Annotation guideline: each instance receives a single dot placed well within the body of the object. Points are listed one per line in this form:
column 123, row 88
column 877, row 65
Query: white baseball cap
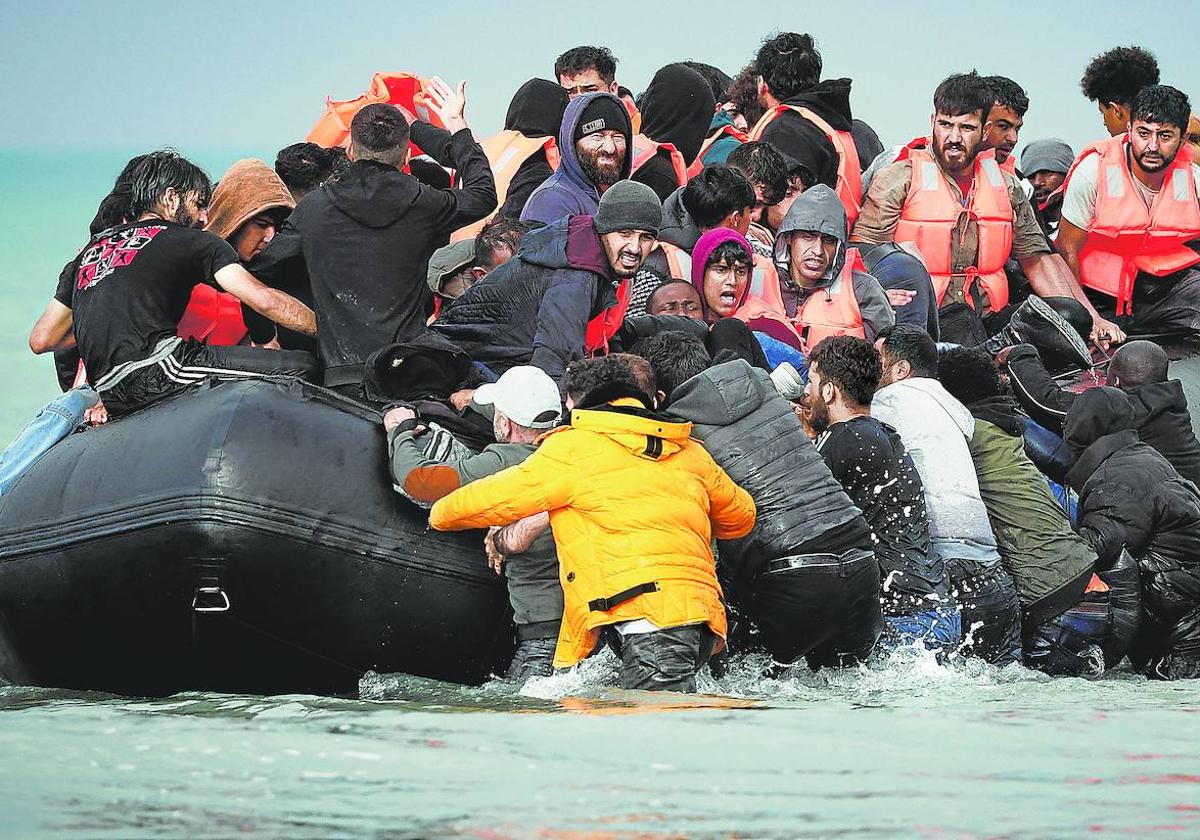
column 525, row 395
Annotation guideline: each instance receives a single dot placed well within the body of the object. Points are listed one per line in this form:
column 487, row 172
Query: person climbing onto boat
column 651, row 578
column 122, row 298
column 525, row 405
column 366, row 237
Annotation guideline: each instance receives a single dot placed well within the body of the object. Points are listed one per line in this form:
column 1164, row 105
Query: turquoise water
column 912, row 750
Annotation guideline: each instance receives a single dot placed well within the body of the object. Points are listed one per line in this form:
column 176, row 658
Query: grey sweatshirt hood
column 721, row 395
column 816, row 209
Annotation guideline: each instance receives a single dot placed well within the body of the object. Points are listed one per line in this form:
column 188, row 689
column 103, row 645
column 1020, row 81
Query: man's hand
column 495, row 558
column 397, row 416
column 1105, row 332
column 899, row 297
column 447, row 103
column 273, row 344
column 97, row 415
column 462, row 399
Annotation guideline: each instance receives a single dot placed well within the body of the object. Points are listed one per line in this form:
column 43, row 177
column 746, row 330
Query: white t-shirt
column 1079, row 203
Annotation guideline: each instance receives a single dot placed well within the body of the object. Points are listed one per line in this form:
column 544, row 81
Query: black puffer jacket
column 752, row 433
column 1130, row 496
column 534, row 309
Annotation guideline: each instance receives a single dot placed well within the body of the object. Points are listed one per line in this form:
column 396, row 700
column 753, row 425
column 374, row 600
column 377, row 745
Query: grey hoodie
column 819, row 209
column 753, row 434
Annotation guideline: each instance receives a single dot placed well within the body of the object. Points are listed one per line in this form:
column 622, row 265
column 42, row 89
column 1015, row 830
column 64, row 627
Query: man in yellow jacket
column 634, row 504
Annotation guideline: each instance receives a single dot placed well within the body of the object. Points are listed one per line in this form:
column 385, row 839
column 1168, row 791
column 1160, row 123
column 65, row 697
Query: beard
column 599, row 173
column 818, row 414
column 969, row 155
column 1157, row 165
column 184, row 217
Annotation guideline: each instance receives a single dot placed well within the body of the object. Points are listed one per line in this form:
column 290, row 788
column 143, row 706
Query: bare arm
column 1069, row 243
column 279, row 306
column 53, row 332
column 1050, row 276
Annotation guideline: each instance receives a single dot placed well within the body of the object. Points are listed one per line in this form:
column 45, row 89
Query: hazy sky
column 254, row 75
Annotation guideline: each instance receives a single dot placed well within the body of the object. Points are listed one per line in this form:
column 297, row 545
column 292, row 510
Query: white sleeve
column 1079, row 203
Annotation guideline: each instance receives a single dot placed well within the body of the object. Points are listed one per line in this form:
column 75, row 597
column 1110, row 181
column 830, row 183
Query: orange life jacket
column 679, row 261
column 724, row 131
column 849, row 172
column 404, row 90
column 506, row 152
column 931, row 216
column 635, row 116
column 1009, row 165
column 605, row 325
column 833, row 311
column 212, row 317
column 1124, row 237
column 644, row 148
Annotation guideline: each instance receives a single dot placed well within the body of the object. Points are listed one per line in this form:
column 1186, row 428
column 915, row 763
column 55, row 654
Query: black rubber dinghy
column 243, row 537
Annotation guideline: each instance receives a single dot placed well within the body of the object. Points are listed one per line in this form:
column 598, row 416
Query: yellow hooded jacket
column 634, row 503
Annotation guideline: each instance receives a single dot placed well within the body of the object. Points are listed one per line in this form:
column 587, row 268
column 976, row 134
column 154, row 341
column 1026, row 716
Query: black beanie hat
column 604, row 113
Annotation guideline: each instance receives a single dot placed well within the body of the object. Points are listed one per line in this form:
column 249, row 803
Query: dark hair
column 1008, row 94
column 667, row 285
column 675, row 357
column 500, row 232
column 623, row 91
column 379, row 132
column 968, row 373
column 160, row 171
column 1161, row 104
column 303, row 166
column 851, row 363
column 717, row 79
column 578, row 59
column 114, row 207
column 789, row 64
column 590, row 382
column 963, row 93
column 729, row 252
column 1138, row 362
column 715, row 193
column 743, row 93
column 763, row 164
column 904, row 342
column 1118, row 75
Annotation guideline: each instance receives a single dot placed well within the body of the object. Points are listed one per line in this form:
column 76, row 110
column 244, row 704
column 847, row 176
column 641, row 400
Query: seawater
column 910, row 749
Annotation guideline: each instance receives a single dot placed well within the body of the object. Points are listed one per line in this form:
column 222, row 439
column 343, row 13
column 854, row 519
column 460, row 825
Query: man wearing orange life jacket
column 1002, row 128
column 1131, row 218
column 525, row 153
column 825, row 289
column 723, row 135
column 965, row 215
column 676, row 111
column 809, row 120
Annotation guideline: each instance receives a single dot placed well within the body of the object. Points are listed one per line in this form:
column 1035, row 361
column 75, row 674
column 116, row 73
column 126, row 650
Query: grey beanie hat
column 628, row 205
column 1052, row 155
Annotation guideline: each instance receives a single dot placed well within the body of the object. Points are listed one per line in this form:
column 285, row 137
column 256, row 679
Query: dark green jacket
column 1050, row 564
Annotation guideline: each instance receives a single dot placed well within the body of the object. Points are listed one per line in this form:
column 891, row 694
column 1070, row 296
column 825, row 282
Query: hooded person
column 248, row 206
column 1130, row 498
column 365, row 238
column 560, row 298
column 824, row 288
column 806, row 575
column 677, row 108
column 595, row 142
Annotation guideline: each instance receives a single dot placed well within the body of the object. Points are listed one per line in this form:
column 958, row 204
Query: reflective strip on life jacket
column 931, row 216
column 644, row 148
column 506, row 153
column 212, row 317
column 1124, row 236
column 723, row 131
column 834, row 310
column 605, row 325
column 849, row 171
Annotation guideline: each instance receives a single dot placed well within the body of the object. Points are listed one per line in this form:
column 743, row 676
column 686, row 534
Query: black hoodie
column 677, row 108
column 536, row 110
column 804, row 143
column 366, row 239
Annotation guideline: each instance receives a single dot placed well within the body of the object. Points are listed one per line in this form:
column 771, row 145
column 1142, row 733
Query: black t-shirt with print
column 130, row 286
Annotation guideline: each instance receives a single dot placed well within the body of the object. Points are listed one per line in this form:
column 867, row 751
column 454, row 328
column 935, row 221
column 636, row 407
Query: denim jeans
column 895, row 268
column 57, row 419
column 939, row 629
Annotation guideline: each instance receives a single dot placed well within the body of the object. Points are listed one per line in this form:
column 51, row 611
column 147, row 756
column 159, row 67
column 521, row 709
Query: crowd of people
column 715, row 368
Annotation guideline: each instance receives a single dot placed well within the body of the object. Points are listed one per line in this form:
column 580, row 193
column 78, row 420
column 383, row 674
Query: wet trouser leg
column 665, row 660
column 991, row 611
column 895, row 268
column 57, row 419
column 1161, row 305
column 823, row 607
column 533, row 658
column 939, row 629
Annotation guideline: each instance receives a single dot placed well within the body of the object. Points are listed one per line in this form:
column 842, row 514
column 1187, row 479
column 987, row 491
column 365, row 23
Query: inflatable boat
column 243, row 537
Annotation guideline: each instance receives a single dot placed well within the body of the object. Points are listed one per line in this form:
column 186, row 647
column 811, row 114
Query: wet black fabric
column 804, row 143
column 426, row 366
column 536, row 110
column 828, row 614
column 991, row 611
column 664, row 660
column 677, row 108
